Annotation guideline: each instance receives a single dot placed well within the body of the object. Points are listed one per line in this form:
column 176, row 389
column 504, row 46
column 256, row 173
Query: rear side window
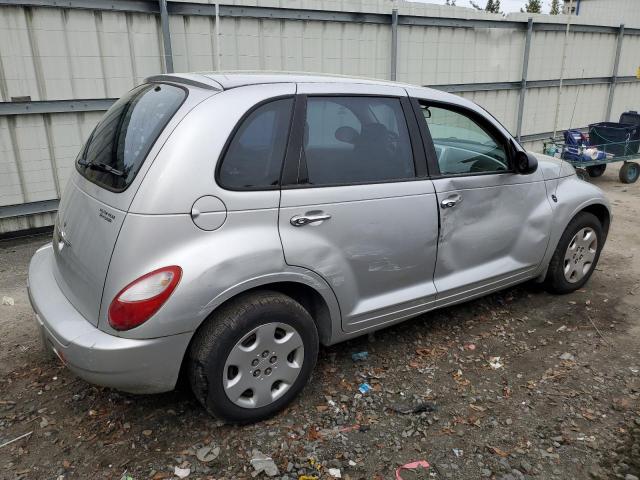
column 356, row 140
column 254, row 157
column 123, row 138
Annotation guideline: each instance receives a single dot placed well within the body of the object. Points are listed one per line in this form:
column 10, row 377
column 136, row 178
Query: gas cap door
column 209, row 213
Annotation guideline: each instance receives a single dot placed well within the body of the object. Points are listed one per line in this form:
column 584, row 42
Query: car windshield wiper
column 103, row 167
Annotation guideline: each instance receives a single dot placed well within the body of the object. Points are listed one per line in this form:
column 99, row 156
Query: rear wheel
column 253, row 356
column 576, row 255
column 596, row 170
column 629, row 172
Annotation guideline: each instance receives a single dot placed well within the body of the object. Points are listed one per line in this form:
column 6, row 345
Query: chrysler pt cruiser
column 226, row 225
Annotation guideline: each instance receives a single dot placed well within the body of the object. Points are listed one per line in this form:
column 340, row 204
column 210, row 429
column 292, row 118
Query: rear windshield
column 121, row 141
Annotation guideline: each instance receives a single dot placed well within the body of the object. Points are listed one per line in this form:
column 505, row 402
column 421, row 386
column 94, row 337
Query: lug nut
column 265, row 354
column 256, row 373
column 255, row 362
column 267, row 371
column 273, row 359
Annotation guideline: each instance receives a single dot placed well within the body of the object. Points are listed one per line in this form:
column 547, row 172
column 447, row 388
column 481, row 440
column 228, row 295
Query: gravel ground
column 562, row 403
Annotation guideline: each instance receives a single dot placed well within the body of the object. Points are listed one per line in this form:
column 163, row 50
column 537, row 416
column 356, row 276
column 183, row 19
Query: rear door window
column 349, row 140
column 254, row 157
column 123, row 138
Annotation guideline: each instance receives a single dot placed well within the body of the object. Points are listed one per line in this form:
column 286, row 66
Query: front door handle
column 451, row 201
column 306, row 219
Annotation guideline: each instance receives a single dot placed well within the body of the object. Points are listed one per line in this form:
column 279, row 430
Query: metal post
column 218, row 52
column 525, row 70
column 564, row 61
column 614, row 76
column 394, row 40
column 166, row 37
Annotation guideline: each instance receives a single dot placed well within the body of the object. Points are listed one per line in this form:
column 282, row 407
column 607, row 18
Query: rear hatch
column 109, row 169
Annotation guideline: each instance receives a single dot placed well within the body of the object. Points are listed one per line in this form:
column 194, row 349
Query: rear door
column 495, row 223
column 356, row 204
column 109, row 169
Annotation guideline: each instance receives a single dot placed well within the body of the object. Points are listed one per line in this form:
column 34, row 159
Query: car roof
column 229, row 80
column 234, row 79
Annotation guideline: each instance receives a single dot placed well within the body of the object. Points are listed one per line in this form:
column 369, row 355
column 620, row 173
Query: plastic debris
column 458, row 452
column 406, row 409
column 16, row 439
column 8, row 301
column 417, row 465
column 494, row 362
column 364, row 388
column 335, row 473
column 307, row 477
column 359, row 356
column 207, row 454
column 181, row 472
column 567, row 356
column 263, row 463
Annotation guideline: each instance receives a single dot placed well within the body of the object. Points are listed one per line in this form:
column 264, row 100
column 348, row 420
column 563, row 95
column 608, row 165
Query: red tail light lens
column 143, row 297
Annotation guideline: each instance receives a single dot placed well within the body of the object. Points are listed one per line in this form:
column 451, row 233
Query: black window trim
column 151, row 145
column 233, row 133
column 432, row 158
column 295, row 163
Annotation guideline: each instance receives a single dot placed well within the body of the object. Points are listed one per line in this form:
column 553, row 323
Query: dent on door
column 490, row 236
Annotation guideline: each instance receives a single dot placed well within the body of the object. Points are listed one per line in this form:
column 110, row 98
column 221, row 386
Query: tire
column 556, row 281
column 254, row 320
column 596, row 170
column 629, row 172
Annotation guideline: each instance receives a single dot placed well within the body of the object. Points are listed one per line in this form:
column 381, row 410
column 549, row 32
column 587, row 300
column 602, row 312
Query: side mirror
column 525, row 163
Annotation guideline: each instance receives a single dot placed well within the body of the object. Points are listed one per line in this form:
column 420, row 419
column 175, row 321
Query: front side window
column 123, row 138
column 462, row 145
column 254, row 157
column 356, row 140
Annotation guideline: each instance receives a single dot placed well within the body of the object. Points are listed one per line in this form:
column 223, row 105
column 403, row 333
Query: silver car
column 226, row 225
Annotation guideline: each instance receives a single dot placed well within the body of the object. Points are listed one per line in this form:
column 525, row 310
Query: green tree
column 532, row 6
column 494, row 7
column 451, row 3
column 555, row 7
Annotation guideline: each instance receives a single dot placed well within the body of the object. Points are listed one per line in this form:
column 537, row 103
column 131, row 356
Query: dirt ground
column 563, row 405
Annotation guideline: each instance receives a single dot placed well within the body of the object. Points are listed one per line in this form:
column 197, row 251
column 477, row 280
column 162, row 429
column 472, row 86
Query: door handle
column 302, row 220
column 451, row 202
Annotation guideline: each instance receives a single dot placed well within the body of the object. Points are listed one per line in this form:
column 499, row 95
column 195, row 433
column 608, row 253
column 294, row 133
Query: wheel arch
column 312, row 293
column 597, row 207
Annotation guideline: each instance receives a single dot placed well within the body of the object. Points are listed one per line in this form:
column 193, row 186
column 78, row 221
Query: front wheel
column 253, row 356
column 576, row 255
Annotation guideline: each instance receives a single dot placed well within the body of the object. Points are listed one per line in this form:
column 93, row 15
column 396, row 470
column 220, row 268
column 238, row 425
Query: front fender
column 573, row 196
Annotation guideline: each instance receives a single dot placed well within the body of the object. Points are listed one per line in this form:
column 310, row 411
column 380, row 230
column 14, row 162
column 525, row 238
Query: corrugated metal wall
column 69, row 53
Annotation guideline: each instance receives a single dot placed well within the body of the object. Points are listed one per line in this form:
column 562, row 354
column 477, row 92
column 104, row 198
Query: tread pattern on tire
column 552, row 281
column 224, row 319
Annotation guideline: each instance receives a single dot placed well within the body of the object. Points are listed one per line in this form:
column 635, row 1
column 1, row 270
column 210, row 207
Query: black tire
column 224, row 329
column 555, row 281
column 596, row 170
column 629, row 172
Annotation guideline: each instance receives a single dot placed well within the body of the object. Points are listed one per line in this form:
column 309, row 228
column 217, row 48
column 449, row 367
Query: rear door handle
column 306, row 219
column 451, row 201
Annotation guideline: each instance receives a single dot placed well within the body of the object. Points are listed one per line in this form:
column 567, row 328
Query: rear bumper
column 136, row 366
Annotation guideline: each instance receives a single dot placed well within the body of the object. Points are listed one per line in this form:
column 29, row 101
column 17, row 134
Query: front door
column 494, row 223
column 359, row 209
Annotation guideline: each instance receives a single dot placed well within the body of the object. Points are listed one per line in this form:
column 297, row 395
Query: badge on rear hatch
column 109, row 217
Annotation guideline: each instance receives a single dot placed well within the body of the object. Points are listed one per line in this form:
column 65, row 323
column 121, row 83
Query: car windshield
column 122, row 139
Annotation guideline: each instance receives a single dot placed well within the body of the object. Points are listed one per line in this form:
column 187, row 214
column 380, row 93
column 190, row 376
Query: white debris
column 567, row 356
column 335, row 473
column 262, row 463
column 8, row 301
column 181, row 472
column 494, row 362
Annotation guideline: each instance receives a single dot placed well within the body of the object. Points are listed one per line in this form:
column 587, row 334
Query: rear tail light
column 143, row 297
